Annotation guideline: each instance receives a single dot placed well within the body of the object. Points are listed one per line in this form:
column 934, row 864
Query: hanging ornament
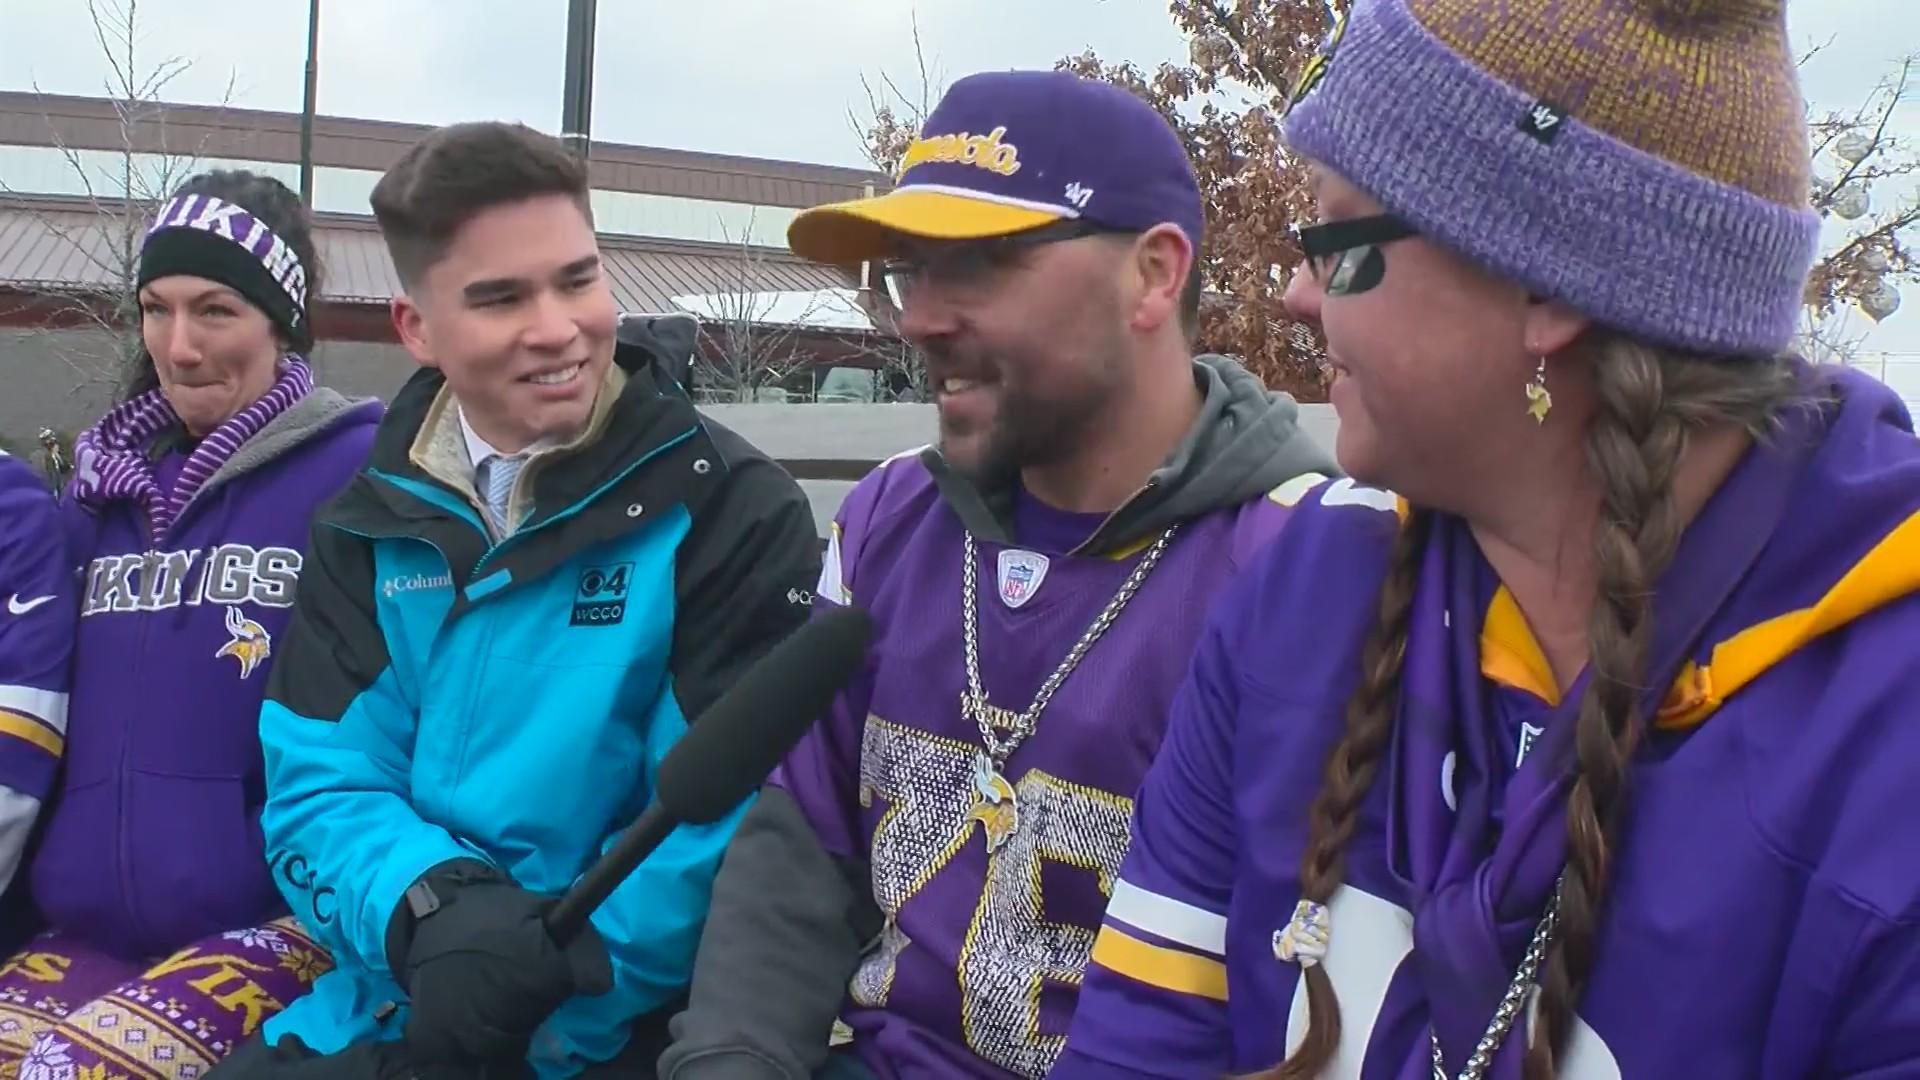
column 1852, row 146
column 1851, row 202
column 1880, row 301
column 1210, row 50
column 1875, row 261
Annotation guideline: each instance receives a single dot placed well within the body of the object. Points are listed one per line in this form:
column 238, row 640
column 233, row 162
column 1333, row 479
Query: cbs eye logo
column 601, row 597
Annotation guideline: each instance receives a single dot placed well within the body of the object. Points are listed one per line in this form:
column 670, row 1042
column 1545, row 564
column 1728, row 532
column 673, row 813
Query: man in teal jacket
column 551, row 565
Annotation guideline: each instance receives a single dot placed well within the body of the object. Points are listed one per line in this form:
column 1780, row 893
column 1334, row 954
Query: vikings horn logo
column 250, row 645
column 1316, row 68
column 994, row 805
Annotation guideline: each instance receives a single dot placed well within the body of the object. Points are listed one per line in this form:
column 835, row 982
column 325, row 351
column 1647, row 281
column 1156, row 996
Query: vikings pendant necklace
column 994, row 804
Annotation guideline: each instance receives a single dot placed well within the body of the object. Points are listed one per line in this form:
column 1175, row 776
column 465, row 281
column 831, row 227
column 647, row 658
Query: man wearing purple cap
column 921, row 883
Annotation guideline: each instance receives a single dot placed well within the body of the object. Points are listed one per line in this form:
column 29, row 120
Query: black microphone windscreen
column 729, row 750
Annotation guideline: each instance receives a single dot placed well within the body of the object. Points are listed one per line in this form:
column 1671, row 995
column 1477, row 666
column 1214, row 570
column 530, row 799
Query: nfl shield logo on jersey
column 1021, row 573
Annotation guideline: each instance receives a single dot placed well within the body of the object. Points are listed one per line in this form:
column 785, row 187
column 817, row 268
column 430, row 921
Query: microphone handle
column 569, row 916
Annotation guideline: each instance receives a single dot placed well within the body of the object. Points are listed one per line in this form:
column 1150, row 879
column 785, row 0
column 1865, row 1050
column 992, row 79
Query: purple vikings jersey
column 992, row 885
column 1762, row 918
column 36, row 644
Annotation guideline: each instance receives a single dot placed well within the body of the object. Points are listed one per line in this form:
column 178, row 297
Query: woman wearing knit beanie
column 187, row 521
column 1573, row 735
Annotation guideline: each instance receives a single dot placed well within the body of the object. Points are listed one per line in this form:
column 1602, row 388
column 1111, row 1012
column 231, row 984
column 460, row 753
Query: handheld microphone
column 728, row 752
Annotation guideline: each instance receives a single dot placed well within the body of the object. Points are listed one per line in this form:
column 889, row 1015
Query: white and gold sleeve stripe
column 1123, row 948
column 35, row 716
column 1164, row 916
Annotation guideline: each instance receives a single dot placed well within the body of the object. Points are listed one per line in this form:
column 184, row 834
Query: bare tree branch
column 1896, row 91
column 893, row 117
column 149, row 167
column 744, row 349
column 1814, row 51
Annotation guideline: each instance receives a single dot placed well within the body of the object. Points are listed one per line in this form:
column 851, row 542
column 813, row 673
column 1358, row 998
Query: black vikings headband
column 209, row 237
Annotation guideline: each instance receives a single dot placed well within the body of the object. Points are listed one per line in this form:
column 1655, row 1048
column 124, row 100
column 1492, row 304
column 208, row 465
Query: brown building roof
column 62, row 243
column 29, row 119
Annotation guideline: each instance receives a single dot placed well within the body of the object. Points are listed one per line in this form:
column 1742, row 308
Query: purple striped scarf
column 110, row 458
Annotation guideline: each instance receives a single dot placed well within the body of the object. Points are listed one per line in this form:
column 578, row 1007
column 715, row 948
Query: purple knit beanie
column 1644, row 161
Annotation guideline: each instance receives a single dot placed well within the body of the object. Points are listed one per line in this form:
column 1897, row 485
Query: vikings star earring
column 1539, row 401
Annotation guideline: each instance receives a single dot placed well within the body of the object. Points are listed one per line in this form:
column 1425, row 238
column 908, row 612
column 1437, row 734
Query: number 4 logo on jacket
column 601, row 598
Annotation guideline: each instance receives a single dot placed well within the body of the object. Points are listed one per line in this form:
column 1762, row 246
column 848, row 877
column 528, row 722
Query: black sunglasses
column 1344, row 256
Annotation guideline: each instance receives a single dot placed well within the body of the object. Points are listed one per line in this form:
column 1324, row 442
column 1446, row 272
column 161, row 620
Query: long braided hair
column 1650, row 403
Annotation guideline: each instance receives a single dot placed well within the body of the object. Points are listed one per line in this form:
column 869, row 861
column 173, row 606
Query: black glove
column 291, row 1059
column 479, row 968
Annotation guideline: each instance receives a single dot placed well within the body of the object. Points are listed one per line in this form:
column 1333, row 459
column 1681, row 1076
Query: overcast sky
column 719, row 75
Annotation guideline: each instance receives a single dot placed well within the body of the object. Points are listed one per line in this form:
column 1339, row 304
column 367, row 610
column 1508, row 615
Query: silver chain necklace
column 995, row 805
column 1514, row 1000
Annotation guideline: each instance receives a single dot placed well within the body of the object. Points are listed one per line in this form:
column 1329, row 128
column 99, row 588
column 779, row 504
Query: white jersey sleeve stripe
column 47, row 706
column 1163, row 916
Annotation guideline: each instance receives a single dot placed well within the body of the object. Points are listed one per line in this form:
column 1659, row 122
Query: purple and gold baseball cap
column 1008, row 151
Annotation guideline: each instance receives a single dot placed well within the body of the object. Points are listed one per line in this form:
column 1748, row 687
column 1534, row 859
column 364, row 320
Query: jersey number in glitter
column 1011, row 951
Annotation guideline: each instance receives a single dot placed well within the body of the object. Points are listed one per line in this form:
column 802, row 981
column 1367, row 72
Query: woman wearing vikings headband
column 1589, row 752
column 187, row 519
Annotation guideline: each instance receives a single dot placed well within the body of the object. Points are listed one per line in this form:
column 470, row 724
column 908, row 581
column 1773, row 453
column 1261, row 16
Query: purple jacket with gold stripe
column 1763, row 913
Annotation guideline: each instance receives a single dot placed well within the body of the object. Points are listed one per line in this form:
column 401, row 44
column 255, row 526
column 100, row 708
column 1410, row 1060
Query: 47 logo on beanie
column 1543, row 122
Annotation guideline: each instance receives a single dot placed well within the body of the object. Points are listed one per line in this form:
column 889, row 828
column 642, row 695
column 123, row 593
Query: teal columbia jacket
column 443, row 696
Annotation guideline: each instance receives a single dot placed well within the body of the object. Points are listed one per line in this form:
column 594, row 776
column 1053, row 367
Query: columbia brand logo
column 601, row 597
column 415, row 583
column 1543, row 121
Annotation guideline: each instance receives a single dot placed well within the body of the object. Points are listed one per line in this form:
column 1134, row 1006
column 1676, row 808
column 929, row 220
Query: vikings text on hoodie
column 154, row 840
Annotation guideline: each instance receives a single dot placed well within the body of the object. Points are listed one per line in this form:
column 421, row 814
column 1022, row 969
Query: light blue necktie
column 501, row 471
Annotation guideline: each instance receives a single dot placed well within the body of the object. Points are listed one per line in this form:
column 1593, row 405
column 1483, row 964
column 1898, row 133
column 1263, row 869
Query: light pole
column 576, row 107
column 306, row 108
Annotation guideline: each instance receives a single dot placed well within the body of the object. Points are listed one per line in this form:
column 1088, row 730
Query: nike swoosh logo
column 15, row 607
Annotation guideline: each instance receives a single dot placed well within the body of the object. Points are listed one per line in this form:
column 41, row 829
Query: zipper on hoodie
column 123, row 786
column 130, row 896
column 1108, row 520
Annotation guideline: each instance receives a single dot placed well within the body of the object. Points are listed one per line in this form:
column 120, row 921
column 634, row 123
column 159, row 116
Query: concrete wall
column 64, row 380
column 873, row 433
column 821, row 436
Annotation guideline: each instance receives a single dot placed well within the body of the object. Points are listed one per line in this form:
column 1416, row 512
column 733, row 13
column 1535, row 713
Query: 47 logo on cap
column 601, row 598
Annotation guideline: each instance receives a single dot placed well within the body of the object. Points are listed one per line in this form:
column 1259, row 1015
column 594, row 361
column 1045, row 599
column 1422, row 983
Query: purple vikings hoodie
column 155, row 839
column 1762, row 920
